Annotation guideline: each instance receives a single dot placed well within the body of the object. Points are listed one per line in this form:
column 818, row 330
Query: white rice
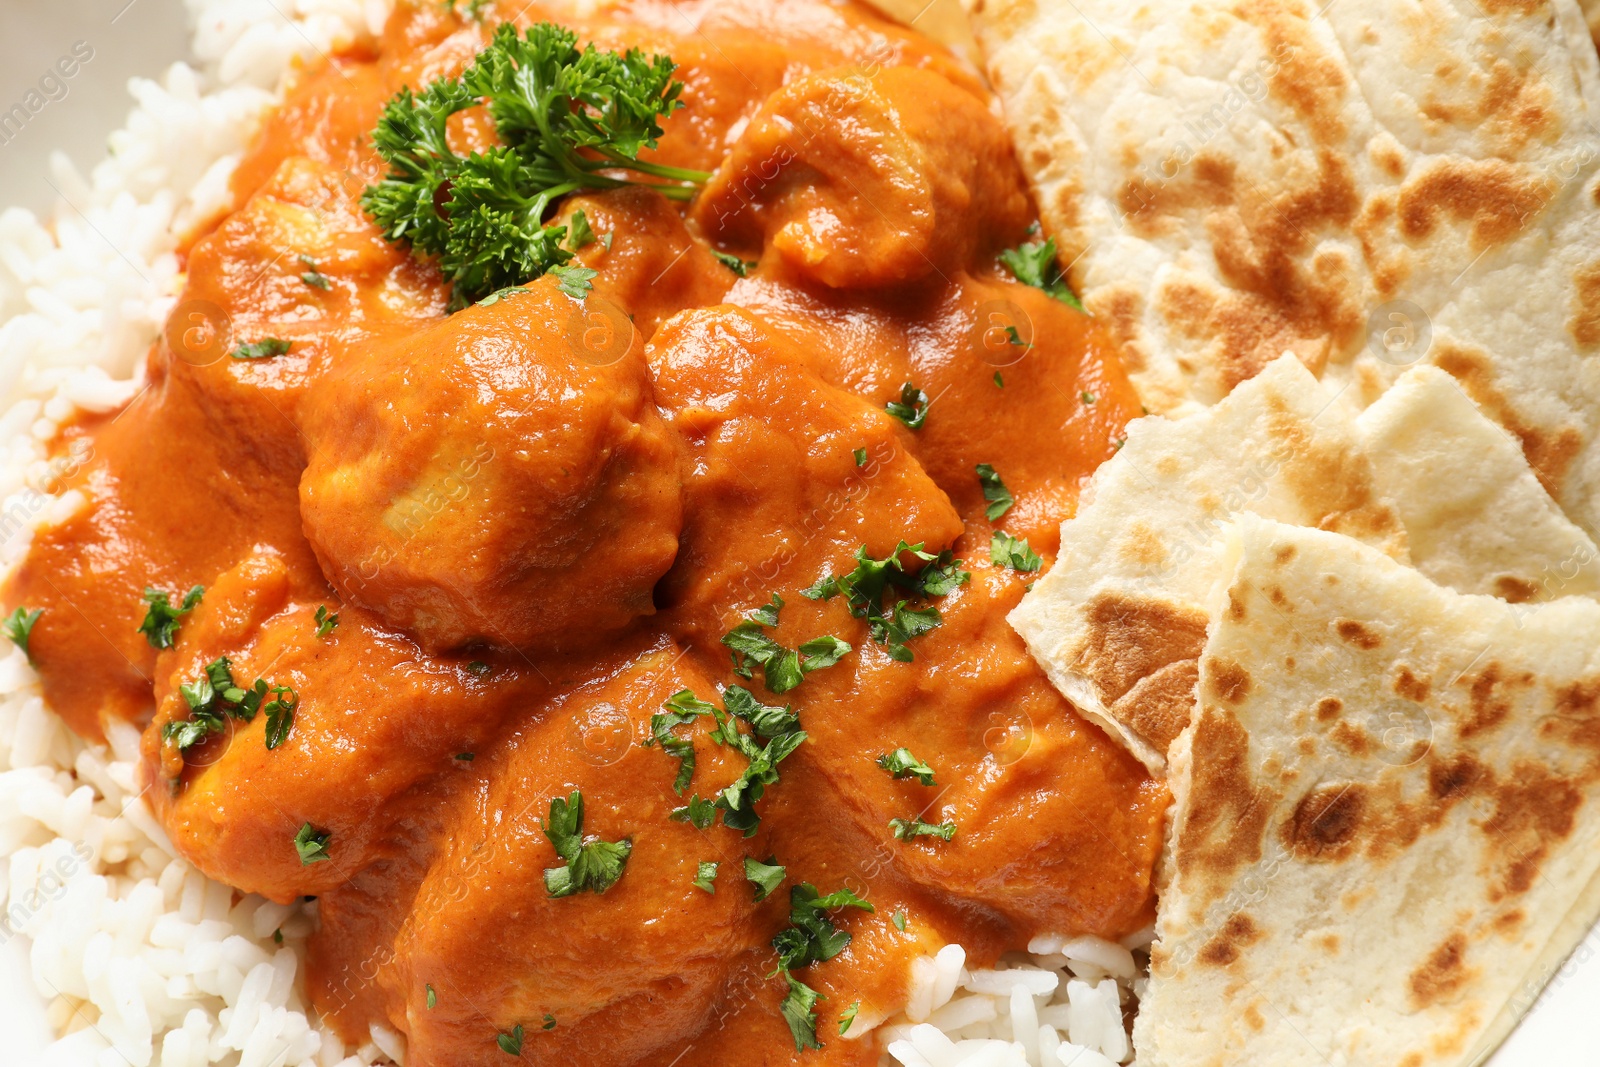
column 145, row 962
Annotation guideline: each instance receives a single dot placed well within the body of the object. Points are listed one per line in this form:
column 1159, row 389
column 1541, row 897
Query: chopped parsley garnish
column 466, row 757
column 277, row 936
column 902, row 764
column 861, row 457
column 1034, row 263
column 706, row 877
column 1088, row 397
column 575, row 282
column 549, row 1021
column 999, row 382
column 1013, row 552
column 741, row 267
column 326, row 622
column 994, row 491
column 699, row 812
column 433, row 998
column 511, row 1044
column 312, row 844
column 215, row 695
column 280, row 714
column 590, row 864
column 893, row 624
column 847, row 1017
column 810, row 938
column 911, row 408
column 565, row 117
column 18, row 627
column 265, row 348
column 766, row 877
column 779, row 727
column 160, row 625
column 502, row 294
column 683, row 708
column 1015, row 338
column 906, row 829
column 579, row 234
column 899, row 920
column 313, row 277
column 782, row 668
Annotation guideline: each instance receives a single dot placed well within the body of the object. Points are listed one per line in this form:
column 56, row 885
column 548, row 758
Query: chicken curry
column 620, row 657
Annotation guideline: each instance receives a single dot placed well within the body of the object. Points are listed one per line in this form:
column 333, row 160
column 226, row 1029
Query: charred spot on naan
column 1227, row 831
column 1584, row 325
column 1326, row 821
column 1498, row 199
column 1159, row 705
column 1236, row 935
column 1444, row 972
column 1130, row 639
column 1550, row 452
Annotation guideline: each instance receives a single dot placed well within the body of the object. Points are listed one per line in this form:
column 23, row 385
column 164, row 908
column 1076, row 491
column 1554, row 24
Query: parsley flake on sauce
column 1034, row 263
column 911, row 408
column 861, row 457
column 433, row 998
column 579, row 234
column 214, row 696
column 899, row 920
column 511, row 1044
column 779, row 727
column 575, row 282
column 847, row 1017
column 18, row 628
column 1013, row 552
column 705, row 877
column 313, row 277
column 782, row 668
column 265, row 348
column 549, row 1021
column 699, row 812
column 766, row 877
column 591, row 864
column 312, row 844
column 160, row 625
column 810, row 938
column 326, row 622
column 994, row 491
column 906, row 829
column 902, row 764
column 567, row 119
column 893, row 624
column 741, row 267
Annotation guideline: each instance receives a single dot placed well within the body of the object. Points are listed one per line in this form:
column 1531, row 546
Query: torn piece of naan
column 1368, row 184
column 1118, row 621
column 1386, row 823
column 1476, row 518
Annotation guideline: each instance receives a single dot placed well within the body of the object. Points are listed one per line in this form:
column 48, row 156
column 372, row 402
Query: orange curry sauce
column 537, row 519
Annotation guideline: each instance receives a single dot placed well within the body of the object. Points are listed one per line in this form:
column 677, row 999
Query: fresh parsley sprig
column 591, row 864
column 214, row 697
column 782, row 668
column 1034, row 263
column 906, row 829
column 778, row 727
column 896, row 622
column 1013, row 552
column 901, row 763
column 994, row 491
column 565, row 117
column 810, row 938
column 160, row 625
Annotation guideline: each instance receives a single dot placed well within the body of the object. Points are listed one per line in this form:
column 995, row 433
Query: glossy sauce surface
column 537, row 519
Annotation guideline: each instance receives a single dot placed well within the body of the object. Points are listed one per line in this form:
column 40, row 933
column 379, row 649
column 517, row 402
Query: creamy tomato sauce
column 537, row 519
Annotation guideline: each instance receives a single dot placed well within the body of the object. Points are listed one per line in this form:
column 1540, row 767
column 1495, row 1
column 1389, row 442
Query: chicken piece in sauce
column 653, row 465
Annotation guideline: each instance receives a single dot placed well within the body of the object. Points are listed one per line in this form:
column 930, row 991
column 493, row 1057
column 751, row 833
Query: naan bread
column 1476, row 518
column 1386, row 819
column 1119, row 619
column 1367, row 184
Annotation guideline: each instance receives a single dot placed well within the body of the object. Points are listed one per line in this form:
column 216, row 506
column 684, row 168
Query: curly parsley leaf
column 994, row 491
column 782, row 668
column 590, row 864
column 766, row 877
column 265, row 348
column 911, row 408
column 810, row 938
column 906, row 829
column 1013, row 552
column 18, row 628
column 160, row 625
column 902, row 764
column 312, row 845
column 1034, row 263
column 799, row 1009
column 564, row 116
